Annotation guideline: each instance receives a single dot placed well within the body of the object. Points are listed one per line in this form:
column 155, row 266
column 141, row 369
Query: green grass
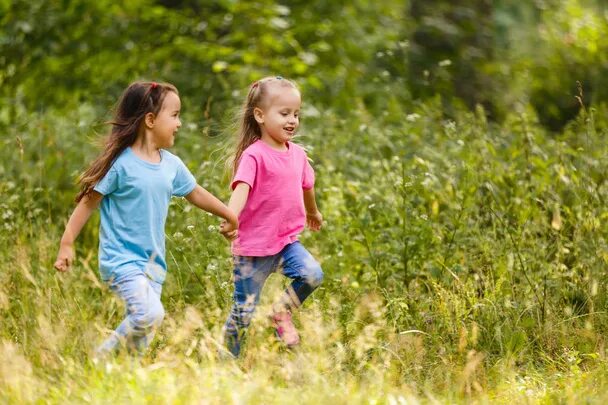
column 465, row 263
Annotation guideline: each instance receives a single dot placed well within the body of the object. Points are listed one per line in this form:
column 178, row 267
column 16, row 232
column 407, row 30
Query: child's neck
column 146, row 150
column 268, row 140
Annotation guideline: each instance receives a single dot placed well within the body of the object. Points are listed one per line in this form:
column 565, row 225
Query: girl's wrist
column 66, row 243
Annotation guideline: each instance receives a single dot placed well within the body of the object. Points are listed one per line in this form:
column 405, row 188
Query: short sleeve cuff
column 107, row 184
column 100, row 189
column 235, row 182
column 186, row 188
column 308, row 180
column 246, row 171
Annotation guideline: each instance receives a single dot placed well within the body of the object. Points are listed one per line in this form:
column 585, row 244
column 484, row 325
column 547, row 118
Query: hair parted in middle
column 139, row 99
column 249, row 130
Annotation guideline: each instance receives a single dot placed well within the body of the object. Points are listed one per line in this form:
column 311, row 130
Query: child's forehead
column 283, row 96
column 171, row 100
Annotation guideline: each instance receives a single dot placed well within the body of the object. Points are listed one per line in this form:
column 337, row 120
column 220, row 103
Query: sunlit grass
column 363, row 360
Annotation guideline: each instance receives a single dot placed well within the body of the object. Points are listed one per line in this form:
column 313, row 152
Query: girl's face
column 279, row 117
column 167, row 122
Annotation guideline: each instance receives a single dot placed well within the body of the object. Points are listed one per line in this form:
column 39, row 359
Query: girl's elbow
column 195, row 195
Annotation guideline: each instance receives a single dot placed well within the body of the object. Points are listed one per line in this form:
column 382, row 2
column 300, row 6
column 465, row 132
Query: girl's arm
column 208, row 202
column 238, row 199
column 237, row 202
column 314, row 219
column 79, row 218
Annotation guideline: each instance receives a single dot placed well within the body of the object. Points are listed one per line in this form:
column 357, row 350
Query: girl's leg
column 145, row 313
column 250, row 274
column 299, row 265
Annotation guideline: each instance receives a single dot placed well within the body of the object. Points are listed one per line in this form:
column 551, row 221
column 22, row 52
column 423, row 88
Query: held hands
column 229, row 230
column 65, row 257
column 314, row 220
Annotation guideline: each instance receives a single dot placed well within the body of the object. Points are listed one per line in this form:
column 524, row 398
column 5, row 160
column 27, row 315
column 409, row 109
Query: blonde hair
column 248, row 130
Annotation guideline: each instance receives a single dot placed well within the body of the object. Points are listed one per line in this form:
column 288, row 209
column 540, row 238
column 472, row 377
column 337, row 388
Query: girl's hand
column 229, row 231
column 65, row 257
column 314, row 220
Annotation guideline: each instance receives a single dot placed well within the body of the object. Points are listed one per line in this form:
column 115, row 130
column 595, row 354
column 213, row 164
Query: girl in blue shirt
column 132, row 181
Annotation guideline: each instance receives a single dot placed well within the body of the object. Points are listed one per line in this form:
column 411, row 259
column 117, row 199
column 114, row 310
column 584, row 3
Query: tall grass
column 464, row 262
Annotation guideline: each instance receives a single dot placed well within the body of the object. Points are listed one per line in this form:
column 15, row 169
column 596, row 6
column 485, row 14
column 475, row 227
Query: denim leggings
column 144, row 313
column 250, row 274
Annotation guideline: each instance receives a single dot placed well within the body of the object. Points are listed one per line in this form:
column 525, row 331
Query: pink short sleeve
column 308, row 178
column 245, row 172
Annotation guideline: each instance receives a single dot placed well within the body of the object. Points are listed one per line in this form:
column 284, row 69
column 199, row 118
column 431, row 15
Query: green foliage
column 464, row 257
column 497, row 54
column 570, row 47
column 89, row 50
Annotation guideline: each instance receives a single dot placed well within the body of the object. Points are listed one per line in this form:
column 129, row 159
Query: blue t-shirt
column 133, row 213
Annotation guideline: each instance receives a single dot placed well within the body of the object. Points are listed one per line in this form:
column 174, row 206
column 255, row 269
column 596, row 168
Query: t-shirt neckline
column 278, row 152
column 145, row 163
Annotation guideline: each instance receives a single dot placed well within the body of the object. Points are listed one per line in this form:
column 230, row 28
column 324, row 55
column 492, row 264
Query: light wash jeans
column 144, row 313
column 250, row 274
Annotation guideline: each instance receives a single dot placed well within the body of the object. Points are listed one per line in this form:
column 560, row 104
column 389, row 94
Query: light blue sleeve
column 108, row 183
column 184, row 182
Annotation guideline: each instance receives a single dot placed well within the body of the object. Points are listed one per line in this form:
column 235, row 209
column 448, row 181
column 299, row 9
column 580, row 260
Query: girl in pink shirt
column 273, row 196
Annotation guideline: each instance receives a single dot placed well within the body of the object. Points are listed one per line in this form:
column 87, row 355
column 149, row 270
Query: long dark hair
column 139, row 99
column 248, row 130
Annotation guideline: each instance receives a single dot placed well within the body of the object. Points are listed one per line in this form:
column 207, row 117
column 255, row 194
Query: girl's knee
column 311, row 272
column 314, row 275
column 158, row 315
column 150, row 318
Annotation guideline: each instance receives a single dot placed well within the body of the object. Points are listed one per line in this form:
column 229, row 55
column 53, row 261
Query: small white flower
column 412, row 117
column 445, row 62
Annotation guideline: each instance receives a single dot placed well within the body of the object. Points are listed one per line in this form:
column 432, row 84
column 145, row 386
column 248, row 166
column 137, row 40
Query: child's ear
column 258, row 114
column 149, row 120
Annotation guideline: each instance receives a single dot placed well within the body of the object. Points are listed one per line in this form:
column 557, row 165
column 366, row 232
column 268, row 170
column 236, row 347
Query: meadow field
column 465, row 263
column 461, row 155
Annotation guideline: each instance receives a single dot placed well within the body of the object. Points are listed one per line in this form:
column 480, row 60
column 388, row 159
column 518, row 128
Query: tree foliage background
column 495, row 53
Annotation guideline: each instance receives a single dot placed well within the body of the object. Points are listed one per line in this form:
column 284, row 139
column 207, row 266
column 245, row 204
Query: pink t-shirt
column 274, row 214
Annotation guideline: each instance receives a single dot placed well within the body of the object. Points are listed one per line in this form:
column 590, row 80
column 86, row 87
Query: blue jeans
column 144, row 313
column 250, row 274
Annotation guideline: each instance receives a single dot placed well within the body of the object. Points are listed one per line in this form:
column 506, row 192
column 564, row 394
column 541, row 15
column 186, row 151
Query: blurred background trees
column 381, row 55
